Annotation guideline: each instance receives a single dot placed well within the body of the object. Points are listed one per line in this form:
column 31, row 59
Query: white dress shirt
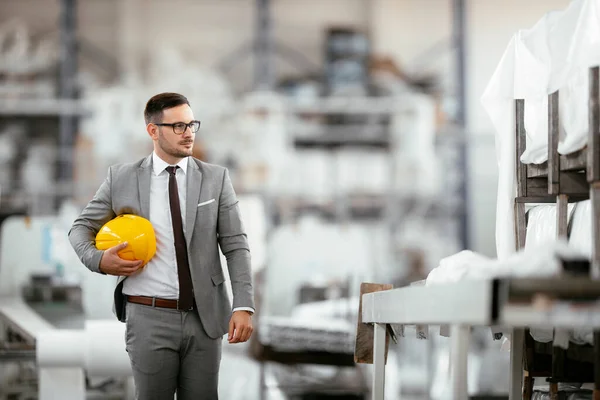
column 159, row 277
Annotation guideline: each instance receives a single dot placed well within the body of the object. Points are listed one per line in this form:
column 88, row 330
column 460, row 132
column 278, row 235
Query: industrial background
column 359, row 147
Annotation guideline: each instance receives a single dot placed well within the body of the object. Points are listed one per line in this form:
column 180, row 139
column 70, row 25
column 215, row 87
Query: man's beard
column 170, row 150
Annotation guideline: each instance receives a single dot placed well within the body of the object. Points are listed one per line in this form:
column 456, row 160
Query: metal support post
column 459, row 353
column 68, row 88
column 459, row 27
column 263, row 73
column 595, row 202
column 517, row 343
column 379, row 362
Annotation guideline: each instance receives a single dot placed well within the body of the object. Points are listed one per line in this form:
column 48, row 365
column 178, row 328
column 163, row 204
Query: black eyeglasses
column 180, row 127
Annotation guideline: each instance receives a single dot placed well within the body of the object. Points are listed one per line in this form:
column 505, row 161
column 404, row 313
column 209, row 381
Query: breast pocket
column 206, row 214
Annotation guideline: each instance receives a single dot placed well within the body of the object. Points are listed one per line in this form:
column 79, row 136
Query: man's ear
column 152, row 131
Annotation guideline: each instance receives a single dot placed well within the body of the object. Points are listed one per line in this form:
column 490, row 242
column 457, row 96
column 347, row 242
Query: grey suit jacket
column 126, row 190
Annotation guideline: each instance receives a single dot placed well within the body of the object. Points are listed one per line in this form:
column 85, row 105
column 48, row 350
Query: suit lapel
column 194, row 184
column 144, row 176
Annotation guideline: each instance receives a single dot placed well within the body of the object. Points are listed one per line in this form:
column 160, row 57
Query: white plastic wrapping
column 541, row 224
column 574, row 44
column 498, row 101
column 573, row 112
column 538, row 259
column 541, row 260
column 541, row 227
column 574, row 41
column 555, row 54
column 532, row 73
column 581, row 228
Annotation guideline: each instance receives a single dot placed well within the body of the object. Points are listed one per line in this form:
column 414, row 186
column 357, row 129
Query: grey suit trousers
column 171, row 352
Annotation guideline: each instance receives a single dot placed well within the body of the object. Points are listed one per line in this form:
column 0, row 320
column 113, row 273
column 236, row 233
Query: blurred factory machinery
column 335, row 168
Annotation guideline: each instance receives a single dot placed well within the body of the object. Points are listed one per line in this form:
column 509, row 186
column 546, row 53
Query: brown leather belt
column 157, row 302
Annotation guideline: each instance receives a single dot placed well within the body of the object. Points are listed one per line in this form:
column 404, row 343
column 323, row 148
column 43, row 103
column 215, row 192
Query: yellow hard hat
column 133, row 229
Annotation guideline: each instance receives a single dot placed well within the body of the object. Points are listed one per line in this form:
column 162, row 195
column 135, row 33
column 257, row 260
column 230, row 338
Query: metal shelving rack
column 509, row 303
column 57, row 118
column 563, row 179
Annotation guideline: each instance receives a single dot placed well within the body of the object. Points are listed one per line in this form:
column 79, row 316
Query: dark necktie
column 186, row 291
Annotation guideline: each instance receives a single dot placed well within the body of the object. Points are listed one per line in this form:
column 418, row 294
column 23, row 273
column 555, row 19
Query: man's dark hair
column 160, row 102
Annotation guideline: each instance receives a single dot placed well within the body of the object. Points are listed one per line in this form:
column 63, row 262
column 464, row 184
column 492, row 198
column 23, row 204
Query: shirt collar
column 159, row 165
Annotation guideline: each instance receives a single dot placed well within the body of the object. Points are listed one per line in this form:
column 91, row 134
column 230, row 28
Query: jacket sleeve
column 234, row 245
column 82, row 234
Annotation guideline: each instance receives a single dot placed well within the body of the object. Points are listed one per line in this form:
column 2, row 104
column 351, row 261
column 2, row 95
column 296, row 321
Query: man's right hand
column 112, row 264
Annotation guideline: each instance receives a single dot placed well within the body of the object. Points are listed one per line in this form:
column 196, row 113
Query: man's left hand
column 240, row 327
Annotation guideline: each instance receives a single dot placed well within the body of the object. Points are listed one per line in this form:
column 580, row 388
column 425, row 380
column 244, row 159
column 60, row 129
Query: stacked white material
column 581, row 228
column 541, row 225
column 537, row 261
column 541, row 228
column 581, row 240
column 308, row 334
column 554, row 55
column 542, row 257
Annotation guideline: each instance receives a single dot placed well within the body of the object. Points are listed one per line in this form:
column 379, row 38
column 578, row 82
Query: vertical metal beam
column 553, row 132
column 520, row 225
column 596, row 364
column 593, row 153
column 593, row 174
column 562, row 216
column 517, row 345
column 595, row 202
column 379, row 362
column 263, row 44
column 68, row 86
column 459, row 37
column 521, row 143
column 459, row 353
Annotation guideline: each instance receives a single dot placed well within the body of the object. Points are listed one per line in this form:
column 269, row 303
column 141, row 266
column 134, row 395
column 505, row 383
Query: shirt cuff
column 249, row 309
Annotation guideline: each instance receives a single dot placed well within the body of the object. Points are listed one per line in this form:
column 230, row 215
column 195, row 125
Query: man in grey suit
column 176, row 307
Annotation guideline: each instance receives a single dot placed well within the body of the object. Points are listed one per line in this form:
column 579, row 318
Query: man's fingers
column 242, row 334
column 130, row 264
column 129, row 271
column 118, row 247
column 231, row 330
column 245, row 334
column 248, row 333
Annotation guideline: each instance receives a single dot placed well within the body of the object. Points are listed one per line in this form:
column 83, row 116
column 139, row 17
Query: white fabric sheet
column 541, row 227
column 554, row 55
